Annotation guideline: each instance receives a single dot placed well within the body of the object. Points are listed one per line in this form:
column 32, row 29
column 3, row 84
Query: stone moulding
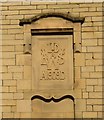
column 52, row 31
column 52, row 98
column 45, row 15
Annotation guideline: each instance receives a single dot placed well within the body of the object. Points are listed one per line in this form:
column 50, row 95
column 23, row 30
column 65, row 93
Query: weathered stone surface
column 50, row 69
column 23, row 106
column 85, row 75
column 45, row 15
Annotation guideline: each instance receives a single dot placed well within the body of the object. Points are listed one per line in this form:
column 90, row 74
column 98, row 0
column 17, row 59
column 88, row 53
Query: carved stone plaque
column 52, row 62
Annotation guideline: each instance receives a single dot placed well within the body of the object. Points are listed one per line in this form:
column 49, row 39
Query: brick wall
column 16, row 79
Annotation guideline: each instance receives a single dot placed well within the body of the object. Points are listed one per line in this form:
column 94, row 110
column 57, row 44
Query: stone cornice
column 45, row 15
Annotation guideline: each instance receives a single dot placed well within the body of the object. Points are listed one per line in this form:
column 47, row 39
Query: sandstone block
column 18, row 96
column 16, row 115
column 38, row 3
column 23, row 60
column 87, row 35
column 96, row 75
column 7, row 96
column 91, row 14
column 12, row 3
column 100, row 115
column 24, row 12
column 3, row 8
column 8, row 48
column 85, row 95
column 8, row 55
column 4, row 22
column 12, row 42
column 97, row 107
column 98, row 88
column 98, row 55
column 19, row 36
column 15, row 31
column 58, row 6
column 14, row 17
column 96, row 18
column 89, row 107
column 8, row 61
column 9, row 102
column 91, row 29
column 22, row 7
column 23, row 106
column 81, row 84
column 97, row 34
column 26, row 2
column 9, row 82
column 26, row 115
column 5, row 89
column 87, row 69
column 85, row 75
column 79, row 59
column 99, row 68
column 92, row 9
column 14, row 22
column 13, row 109
column 24, row 84
column 19, row 59
column 80, row 9
column 84, row 49
column 6, row 109
column 94, row 62
column 89, row 42
column 7, row 76
column 7, row 115
column 15, row 68
column 77, row 72
column 91, row 81
column 19, row 48
column 12, row 89
column 95, row 95
column 99, row 9
column 90, row 5
column 41, row 6
column 90, row 114
column 80, row 105
column 4, row 69
column 27, row 72
column 10, row 12
column 18, row 75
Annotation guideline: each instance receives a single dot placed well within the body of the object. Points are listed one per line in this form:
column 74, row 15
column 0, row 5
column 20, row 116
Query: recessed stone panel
column 52, row 62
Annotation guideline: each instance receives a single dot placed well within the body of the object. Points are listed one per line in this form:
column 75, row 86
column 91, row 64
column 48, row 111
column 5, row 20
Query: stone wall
column 16, row 66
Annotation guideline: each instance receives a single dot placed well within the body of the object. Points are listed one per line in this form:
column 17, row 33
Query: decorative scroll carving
column 53, row 99
column 52, row 60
